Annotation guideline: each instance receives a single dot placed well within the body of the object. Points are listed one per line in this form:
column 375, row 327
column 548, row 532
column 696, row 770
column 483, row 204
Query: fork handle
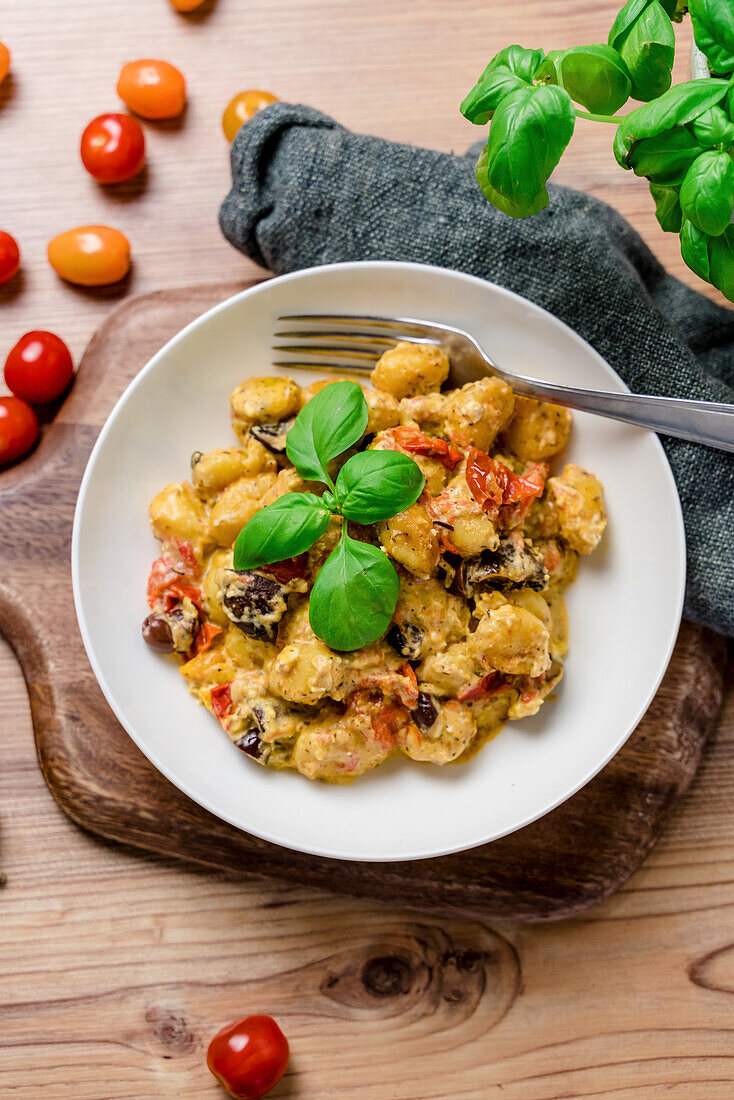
column 709, row 422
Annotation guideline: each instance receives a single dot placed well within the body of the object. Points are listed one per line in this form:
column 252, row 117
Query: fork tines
column 356, row 347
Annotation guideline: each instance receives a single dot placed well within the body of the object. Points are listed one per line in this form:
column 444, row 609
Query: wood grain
column 557, row 867
column 114, row 967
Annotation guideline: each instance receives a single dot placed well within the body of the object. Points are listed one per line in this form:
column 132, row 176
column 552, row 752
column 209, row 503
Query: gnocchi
column 480, row 629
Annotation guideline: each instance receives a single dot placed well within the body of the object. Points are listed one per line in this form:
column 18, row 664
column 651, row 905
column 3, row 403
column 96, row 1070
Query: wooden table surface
column 116, row 968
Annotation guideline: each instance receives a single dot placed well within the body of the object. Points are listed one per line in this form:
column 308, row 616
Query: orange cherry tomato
column 4, row 62
column 18, row 429
column 113, row 148
column 9, row 257
column 243, row 107
column 91, row 255
column 39, row 367
column 249, row 1056
column 152, row 89
column 186, row 5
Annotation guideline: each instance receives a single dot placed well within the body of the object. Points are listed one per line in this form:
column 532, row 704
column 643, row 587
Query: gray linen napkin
column 307, row 192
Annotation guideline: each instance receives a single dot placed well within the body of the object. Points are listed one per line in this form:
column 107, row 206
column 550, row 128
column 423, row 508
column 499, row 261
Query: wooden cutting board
column 559, row 866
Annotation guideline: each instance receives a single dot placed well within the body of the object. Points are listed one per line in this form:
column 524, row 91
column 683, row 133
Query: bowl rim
column 311, row 849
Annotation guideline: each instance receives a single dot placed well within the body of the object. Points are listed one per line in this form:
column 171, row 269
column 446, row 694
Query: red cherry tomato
column 249, row 1056
column 18, row 429
column 113, row 148
column 9, row 257
column 39, row 367
column 4, row 62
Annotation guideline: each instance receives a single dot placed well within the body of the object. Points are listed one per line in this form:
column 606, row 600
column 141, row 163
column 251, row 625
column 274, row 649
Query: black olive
column 251, row 745
column 255, row 604
column 158, row 634
column 406, row 640
column 425, row 713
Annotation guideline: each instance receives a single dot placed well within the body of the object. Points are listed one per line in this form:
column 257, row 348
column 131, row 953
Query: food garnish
column 355, row 593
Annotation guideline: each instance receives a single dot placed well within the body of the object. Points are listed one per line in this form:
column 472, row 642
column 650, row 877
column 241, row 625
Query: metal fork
column 351, row 343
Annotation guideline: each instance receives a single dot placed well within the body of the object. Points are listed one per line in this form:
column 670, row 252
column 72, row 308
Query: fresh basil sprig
column 643, row 36
column 530, row 129
column 712, row 258
column 375, row 485
column 595, row 76
column 326, row 426
column 284, row 529
column 707, row 192
column 355, row 592
column 713, row 29
column 681, row 139
column 354, row 595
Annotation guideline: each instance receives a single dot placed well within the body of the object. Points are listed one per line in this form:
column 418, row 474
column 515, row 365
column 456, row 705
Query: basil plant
column 681, row 139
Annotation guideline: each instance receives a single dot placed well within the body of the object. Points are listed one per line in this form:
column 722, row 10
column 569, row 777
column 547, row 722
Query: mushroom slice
column 514, row 564
column 273, row 436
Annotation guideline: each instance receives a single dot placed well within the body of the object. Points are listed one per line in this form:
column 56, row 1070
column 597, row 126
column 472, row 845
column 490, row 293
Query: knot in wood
column 387, row 976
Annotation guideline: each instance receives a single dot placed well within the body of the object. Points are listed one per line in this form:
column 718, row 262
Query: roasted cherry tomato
column 39, row 367
column 9, row 257
column 249, row 1056
column 493, row 485
column 152, row 89
column 416, row 441
column 186, row 5
column 4, row 62
column 91, row 255
column 18, row 429
column 113, row 148
column 243, row 107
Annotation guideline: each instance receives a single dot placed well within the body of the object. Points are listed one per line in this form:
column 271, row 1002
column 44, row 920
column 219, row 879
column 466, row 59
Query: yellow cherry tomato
column 152, row 89
column 91, row 255
column 186, row 5
column 4, row 62
column 243, row 107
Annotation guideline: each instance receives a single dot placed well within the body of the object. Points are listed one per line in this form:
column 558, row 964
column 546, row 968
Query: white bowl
column 624, row 609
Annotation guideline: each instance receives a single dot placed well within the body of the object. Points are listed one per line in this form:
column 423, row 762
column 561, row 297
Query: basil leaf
column 354, row 595
column 529, row 132
column 666, row 157
column 642, row 33
column 595, row 76
column 707, row 192
column 667, row 207
column 330, row 423
column 713, row 128
column 682, row 104
column 721, row 259
column 486, row 96
column 713, row 29
column 694, row 250
column 675, row 9
column 375, row 485
column 281, row 530
column 712, row 258
column 519, row 60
